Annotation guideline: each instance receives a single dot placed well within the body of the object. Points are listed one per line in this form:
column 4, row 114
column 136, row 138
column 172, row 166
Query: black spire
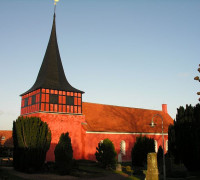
column 51, row 74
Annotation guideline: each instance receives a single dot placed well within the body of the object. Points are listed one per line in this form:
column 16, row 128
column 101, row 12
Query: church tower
column 51, row 91
column 54, row 100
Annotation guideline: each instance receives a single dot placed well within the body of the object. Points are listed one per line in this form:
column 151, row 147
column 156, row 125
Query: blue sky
column 135, row 53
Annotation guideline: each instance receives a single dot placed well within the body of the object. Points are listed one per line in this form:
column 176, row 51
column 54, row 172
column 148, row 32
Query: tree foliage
column 184, row 137
column 160, row 153
column 106, row 154
column 64, row 154
column 141, row 148
column 31, row 139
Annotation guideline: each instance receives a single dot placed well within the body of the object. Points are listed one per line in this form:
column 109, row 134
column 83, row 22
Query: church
column 57, row 102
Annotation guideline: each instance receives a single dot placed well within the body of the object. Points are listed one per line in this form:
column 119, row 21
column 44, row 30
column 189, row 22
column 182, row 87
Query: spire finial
column 55, row 1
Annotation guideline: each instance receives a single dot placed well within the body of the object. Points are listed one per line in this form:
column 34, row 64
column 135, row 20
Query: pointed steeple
column 51, row 74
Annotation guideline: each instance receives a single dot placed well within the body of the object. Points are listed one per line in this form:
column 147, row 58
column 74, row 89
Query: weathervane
column 55, row 1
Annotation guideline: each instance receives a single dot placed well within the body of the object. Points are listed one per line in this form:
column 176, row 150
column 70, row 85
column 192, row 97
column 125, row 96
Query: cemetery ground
column 85, row 170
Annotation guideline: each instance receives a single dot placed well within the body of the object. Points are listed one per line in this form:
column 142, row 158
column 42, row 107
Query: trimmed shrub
column 106, row 154
column 31, row 139
column 141, row 148
column 64, row 154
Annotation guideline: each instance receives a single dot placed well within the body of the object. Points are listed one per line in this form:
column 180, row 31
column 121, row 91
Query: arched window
column 123, row 147
column 166, row 145
column 3, row 138
column 156, row 145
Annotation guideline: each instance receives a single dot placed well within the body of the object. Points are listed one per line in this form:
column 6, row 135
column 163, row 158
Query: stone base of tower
column 62, row 123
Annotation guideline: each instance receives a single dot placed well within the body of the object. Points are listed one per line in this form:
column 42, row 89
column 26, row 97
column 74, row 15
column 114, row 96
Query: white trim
column 104, row 132
column 51, row 112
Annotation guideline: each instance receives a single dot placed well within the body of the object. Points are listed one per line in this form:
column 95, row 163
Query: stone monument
column 152, row 167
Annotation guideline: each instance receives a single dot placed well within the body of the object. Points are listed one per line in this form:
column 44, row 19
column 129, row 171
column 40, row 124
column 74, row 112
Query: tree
column 141, row 148
column 198, row 79
column 160, row 153
column 64, row 154
column 31, row 139
column 184, row 135
column 106, row 154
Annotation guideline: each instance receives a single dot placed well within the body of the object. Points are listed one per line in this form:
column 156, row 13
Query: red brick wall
column 62, row 123
column 84, row 144
column 92, row 140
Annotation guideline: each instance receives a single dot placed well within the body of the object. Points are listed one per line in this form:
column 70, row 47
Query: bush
column 64, row 154
column 106, row 154
column 141, row 148
column 31, row 139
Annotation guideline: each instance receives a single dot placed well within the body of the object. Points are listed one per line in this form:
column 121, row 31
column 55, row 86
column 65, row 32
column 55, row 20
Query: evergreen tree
column 31, row 139
column 184, row 135
column 160, row 153
column 141, row 148
column 64, row 154
column 106, row 154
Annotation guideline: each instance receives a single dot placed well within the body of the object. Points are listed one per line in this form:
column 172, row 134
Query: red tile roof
column 108, row 118
column 6, row 138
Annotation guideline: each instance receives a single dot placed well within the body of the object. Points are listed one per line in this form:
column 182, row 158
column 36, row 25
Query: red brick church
column 56, row 102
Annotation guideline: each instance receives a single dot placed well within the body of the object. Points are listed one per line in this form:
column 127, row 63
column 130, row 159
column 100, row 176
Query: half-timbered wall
column 30, row 102
column 48, row 100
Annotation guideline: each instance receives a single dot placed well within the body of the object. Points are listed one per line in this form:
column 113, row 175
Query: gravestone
column 119, row 157
column 152, row 167
column 118, row 167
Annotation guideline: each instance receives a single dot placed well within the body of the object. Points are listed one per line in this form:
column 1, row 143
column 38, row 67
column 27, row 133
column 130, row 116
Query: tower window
column 33, row 99
column 25, row 102
column 69, row 100
column 53, row 99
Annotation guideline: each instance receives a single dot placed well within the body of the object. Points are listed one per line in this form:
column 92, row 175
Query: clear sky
column 135, row 53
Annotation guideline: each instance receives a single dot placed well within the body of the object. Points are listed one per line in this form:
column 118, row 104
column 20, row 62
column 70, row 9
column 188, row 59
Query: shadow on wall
column 91, row 157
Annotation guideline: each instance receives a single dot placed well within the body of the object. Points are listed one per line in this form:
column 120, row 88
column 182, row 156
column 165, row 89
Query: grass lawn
column 84, row 169
column 89, row 169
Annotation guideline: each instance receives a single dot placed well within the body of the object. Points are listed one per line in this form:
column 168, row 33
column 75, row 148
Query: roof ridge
column 123, row 106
